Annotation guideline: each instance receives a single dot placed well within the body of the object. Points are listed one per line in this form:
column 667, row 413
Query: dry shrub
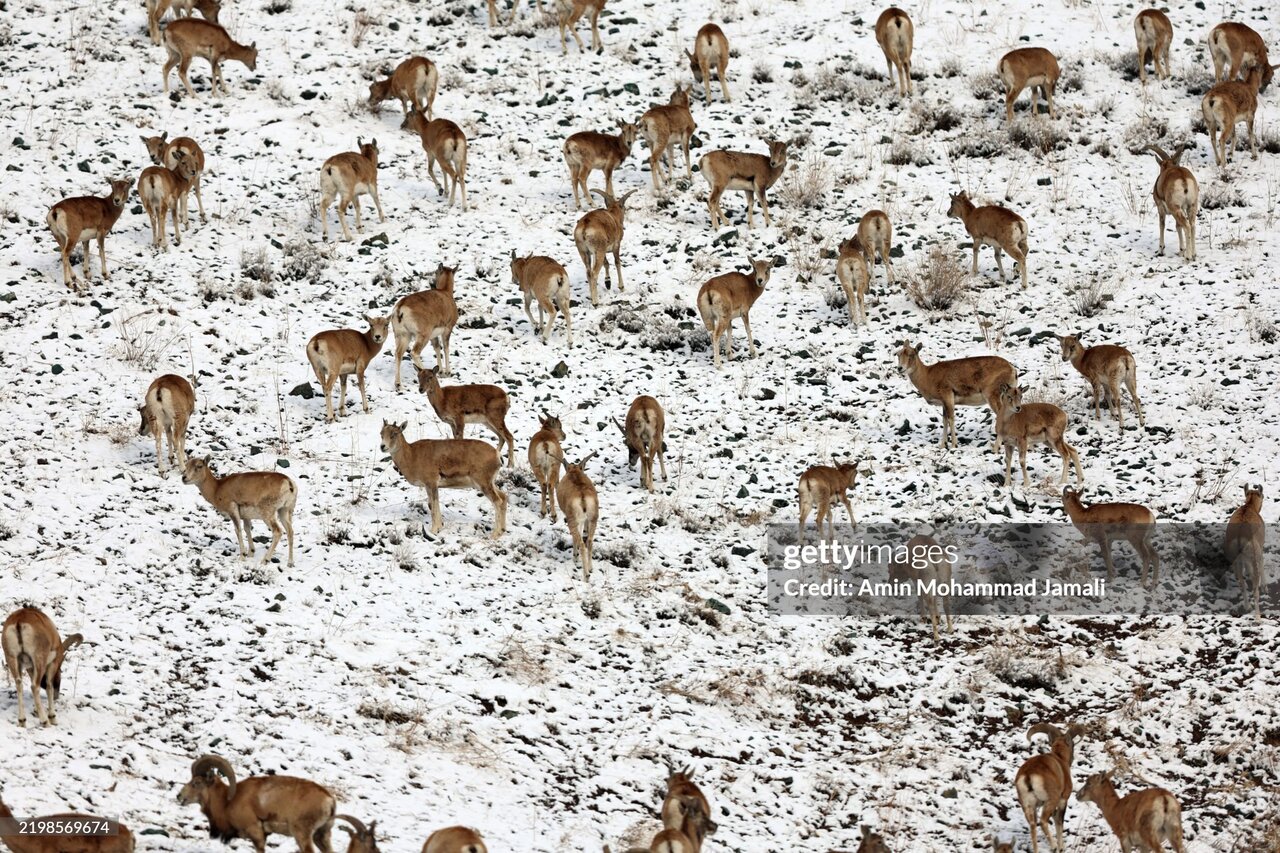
column 1090, row 296
column 360, row 26
column 145, row 337
column 807, row 182
column 939, row 283
column 1219, row 195
column 807, row 250
column 1146, row 131
column 906, row 153
column 1033, row 134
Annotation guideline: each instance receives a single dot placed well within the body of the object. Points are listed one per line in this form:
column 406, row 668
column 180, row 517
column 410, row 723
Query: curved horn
column 1044, row 729
column 207, row 763
column 608, row 199
column 361, row 831
column 1074, row 731
column 619, row 426
column 1159, row 152
column 626, row 195
column 588, row 458
column 71, row 642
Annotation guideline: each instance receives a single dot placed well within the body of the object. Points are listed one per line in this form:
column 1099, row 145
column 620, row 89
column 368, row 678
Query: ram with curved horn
column 259, row 806
column 598, row 234
column 363, row 839
column 31, row 645
column 1043, row 783
column 1176, row 194
column 642, row 433
column 685, row 809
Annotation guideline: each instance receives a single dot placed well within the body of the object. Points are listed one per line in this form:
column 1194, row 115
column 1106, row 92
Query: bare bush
column 303, row 262
column 934, row 117
column 256, row 265
column 1219, row 195
column 275, row 91
column 1072, row 78
column 1147, row 130
column 986, row 86
column 1090, row 296
column 1199, row 79
column 360, row 26
column 951, row 66
column 979, row 146
column 939, row 282
column 807, row 250
column 145, row 337
column 807, row 182
column 1033, row 134
column 1262, row 327
column 903, row 152
column 1124, row 63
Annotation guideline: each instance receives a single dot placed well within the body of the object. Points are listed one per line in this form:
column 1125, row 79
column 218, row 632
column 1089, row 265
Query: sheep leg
column 364, row 398
column 848, row 508
column 1115, row 400
column 751, row 341
column 276, row 532
column 22, row 710
column 248, row 533
column 433, row 498
column 164, row 473
column 824, row 517
column 35, row 698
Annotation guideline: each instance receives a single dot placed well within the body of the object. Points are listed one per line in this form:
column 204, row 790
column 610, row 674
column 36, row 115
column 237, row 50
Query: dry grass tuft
column 939, row 282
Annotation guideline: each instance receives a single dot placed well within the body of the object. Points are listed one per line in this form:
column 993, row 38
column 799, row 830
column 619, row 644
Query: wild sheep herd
column 254, row 807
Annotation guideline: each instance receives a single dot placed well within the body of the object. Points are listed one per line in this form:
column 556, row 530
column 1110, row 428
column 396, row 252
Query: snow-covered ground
column 453, row 679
